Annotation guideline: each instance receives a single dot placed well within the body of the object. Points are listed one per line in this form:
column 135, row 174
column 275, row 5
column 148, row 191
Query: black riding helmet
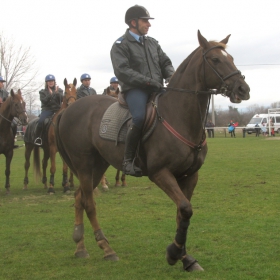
column 136, row 12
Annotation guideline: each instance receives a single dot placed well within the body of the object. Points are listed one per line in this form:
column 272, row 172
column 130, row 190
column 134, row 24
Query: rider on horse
column 85, row 89
column 140, row 65
column 114, row 85
column 51, row 98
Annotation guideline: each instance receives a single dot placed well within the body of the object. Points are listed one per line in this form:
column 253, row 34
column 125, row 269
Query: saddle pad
column 113, row 125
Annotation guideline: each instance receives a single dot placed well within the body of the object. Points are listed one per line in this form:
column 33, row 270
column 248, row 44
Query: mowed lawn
column 234, row 232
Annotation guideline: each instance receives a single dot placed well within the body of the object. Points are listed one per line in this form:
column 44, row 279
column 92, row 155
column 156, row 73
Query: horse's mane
column 182, row 67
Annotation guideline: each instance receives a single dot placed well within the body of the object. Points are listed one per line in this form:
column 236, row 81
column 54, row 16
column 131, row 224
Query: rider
column 51, row 98
column 85, row 89
column 3, row 96
column 114, row 85
column 140, row 65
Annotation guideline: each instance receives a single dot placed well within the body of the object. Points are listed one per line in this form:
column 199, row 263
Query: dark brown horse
column 118, row 183
column 49, row 146
column 170, row 157
column 14, row 106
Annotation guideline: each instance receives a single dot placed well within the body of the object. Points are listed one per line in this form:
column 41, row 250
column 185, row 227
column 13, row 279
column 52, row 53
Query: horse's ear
column 225, row 41
column 19, row 92
column 65, row 82
column 12, row 93
column 75, row 82
column 202, row 41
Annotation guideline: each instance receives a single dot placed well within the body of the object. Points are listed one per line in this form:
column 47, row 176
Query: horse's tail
column 37, row 163
column 59, row 144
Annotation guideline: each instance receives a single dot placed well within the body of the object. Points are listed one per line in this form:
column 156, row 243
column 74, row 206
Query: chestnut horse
column 49, row 146
column 14, row 106
column 104, row 182
column 173, row 154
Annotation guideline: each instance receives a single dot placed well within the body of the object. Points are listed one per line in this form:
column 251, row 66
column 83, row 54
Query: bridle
column 67, row 99
column 224, row 87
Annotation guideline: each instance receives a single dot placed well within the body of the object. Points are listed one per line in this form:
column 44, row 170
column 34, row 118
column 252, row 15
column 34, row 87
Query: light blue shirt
column 136, row 36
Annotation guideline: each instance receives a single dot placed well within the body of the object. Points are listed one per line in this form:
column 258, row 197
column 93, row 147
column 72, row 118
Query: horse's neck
column 186, row 111
column 6, row 116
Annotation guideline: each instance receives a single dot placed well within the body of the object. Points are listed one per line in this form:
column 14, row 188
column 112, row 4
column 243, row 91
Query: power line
column 258, row 65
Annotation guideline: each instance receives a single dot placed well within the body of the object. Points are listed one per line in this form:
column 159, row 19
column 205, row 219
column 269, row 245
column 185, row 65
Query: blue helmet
column 50, row 77
column 2, row 80
column 114, row 80
column 85, row 76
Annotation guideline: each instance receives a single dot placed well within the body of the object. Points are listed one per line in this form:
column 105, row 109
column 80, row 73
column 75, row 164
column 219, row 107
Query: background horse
column 14, row 106
column 118, row 183
column 170, row 157
column 49, row 146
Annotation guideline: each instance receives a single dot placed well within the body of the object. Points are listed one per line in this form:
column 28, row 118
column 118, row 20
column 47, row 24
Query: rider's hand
column 168, row 80
column 154, row 85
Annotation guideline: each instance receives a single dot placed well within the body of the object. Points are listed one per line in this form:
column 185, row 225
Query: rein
column 223, row 90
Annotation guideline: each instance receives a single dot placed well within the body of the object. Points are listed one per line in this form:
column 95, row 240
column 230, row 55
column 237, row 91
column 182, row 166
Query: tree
column 17, row 66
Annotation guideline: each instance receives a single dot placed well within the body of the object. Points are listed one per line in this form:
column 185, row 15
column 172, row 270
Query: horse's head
column 70, row 94
column 18, row 107
column 220, row 71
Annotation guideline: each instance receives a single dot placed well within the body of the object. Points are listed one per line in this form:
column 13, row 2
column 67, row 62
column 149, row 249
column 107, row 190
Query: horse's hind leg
column 117, row 184
column 103, row 183
column 180, row 192
column 65, row 182
column 89, row 178
column 124, row 184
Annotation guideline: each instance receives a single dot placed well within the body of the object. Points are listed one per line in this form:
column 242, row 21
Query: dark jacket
column 3, row 94
column 51, row 102
column 135, row 64
column 83, row 91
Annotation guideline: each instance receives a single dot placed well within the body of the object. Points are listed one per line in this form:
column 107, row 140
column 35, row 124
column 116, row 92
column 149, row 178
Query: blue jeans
column 136, row 100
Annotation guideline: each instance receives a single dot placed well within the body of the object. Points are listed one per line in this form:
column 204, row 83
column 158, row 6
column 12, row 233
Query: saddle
column 117, row 119
column 29, row 135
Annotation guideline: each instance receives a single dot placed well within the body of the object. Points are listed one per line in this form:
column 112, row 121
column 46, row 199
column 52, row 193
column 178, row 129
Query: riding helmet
column 85, row 76
column 2, row 80
column 50, row 78
column 136, row 12
column 114, row 80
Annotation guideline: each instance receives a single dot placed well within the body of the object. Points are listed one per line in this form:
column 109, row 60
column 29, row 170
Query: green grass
column 234, row 232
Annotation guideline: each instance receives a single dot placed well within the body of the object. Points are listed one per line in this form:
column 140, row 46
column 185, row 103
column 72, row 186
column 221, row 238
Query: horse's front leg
column 124, row 184
column 9, row 157
column 177, row 250
column 53, row 151
column 27, row 154
column 104, row 183
column 117, row 184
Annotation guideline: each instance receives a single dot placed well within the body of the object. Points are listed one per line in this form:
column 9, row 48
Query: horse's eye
column 215, row 60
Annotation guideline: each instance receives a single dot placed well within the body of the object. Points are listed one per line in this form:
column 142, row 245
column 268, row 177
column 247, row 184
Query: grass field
column 234, row 232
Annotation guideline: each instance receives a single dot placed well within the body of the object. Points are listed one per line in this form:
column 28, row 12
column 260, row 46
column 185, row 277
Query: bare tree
column 17, row 66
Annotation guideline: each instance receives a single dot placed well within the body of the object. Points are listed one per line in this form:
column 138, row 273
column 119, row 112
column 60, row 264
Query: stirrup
column 38, row 141
column 130, row 169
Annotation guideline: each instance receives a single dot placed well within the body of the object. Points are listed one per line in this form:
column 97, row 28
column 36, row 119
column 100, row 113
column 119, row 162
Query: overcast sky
column 69, row 38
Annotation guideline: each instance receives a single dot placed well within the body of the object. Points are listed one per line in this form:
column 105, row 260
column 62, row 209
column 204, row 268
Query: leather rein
column 223, row 90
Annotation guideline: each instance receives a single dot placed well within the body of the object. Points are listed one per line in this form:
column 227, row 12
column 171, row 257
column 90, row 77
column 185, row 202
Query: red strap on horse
column 180, row 137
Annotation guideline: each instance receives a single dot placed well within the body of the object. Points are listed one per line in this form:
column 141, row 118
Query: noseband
column 67, row 99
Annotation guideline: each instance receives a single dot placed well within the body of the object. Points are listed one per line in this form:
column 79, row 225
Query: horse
column 171, row 156
column 118, row 183
column 49, row 146
column 13, row 107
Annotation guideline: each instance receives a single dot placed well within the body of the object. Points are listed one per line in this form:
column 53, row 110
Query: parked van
column 263, row 118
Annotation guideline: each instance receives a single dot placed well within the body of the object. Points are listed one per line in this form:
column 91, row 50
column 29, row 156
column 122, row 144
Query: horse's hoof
column 112, row 257
column 195, row 267
column 117, row 185
column 190, row 264
column 82, row 254
column 51, row 191
column 124, row 184
column 66, row 190
column 105, row 188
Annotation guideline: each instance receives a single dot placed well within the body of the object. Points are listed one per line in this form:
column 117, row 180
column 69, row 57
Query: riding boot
column 38, row 135
column 131, row 143
column 14, row 130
